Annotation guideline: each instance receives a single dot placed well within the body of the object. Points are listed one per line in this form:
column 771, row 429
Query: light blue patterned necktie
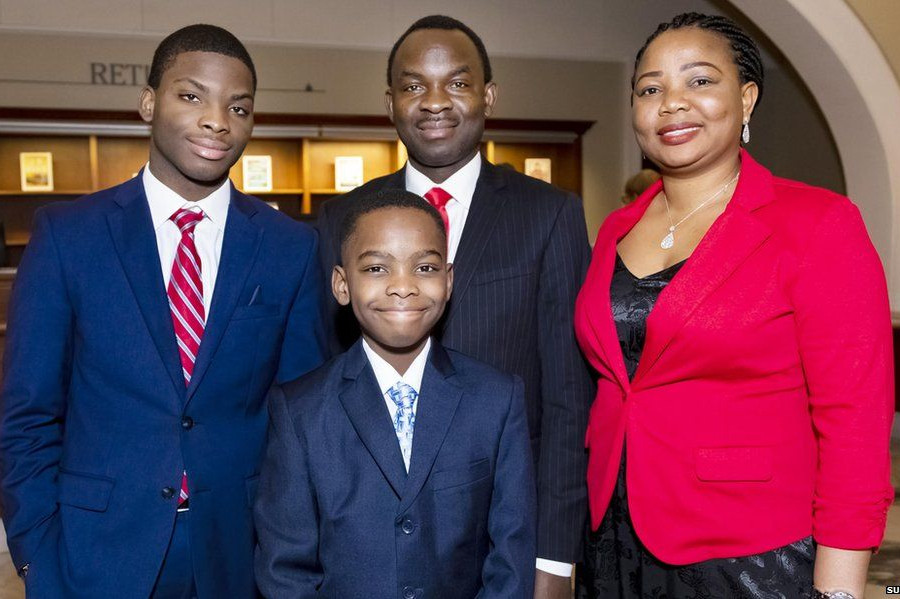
column 405, row 421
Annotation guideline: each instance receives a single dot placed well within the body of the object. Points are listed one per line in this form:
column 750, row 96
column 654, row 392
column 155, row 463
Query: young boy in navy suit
column 399, row 468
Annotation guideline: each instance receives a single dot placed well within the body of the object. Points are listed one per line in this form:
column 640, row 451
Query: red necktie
column 186, row 304
column 438, row 198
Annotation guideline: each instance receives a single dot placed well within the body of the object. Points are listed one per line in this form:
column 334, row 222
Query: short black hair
column 197, row 38
column 386, row 198
column 447, row 24
column 743, row 49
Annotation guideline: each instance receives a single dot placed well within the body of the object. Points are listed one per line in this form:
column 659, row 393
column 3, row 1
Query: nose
column 672, row 101
column 435, row 100
column 402, row 284
column 214, row 118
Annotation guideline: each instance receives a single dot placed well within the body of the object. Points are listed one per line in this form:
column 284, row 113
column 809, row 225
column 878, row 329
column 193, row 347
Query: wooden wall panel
column 119, row 158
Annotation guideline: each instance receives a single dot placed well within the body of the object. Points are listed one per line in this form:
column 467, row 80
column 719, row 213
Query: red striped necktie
column 438, row 198
column 185, row 293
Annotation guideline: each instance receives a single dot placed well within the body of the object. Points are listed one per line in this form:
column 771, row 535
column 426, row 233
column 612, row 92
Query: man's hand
column 550, row 586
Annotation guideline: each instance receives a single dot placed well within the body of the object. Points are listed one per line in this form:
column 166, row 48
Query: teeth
column 680, row 131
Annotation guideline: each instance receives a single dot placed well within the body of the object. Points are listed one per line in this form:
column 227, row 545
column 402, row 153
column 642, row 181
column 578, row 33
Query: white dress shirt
column 208, row 233
column 460, row 185
column 387, row 377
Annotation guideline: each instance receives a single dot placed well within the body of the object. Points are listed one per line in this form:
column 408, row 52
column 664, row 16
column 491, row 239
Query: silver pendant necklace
column 669, row 240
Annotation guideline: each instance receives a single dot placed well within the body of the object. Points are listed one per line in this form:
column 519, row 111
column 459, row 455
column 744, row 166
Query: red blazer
column 760, row 412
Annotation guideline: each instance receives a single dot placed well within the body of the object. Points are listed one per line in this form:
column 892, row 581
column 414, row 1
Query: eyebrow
column 193, row 82
column 374, row 254
column 699, row 63
column 389, row 256
column 458, row 71
column 244, row 96
column 683, row 68
column 424, row 253
column 649, row 74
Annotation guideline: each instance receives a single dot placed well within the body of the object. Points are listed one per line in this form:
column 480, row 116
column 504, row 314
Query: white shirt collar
column 164, row 202
column 387, row 377
column 460, row 185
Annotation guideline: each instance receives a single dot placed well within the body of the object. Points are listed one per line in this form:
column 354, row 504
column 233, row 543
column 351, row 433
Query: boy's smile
column 396, row 277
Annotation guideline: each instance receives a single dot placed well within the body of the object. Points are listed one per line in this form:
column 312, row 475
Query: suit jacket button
column 407, row 526
column 167, row 493
column 409, row 593
column 187, row 423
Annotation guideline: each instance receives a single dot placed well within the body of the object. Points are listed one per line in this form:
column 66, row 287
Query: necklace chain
column 669, row 240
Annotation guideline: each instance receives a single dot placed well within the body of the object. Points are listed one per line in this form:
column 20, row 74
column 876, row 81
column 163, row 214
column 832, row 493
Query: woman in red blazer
column 740, row 327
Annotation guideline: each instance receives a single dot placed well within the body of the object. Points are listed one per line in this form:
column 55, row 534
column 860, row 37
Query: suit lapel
column 599, row 305
column 131, row 228
column 239, row 248
column 436, row 407
column 396, row 180
column 732, row 238
column 487, row 204
column 365, row 407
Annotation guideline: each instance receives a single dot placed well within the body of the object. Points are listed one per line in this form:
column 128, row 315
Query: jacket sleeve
column 845, row 340
column 36, row 370
column 285, row 512
column 304, row 345
column 508, row 569
column 566, row 390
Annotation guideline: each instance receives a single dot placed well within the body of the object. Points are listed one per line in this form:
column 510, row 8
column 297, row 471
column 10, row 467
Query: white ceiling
column 572, row 29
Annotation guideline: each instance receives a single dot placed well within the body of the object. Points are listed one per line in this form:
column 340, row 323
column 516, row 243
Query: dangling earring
column 745, row 133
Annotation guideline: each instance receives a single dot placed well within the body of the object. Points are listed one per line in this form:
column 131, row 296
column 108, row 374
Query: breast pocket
column 255, row 311
column 508, row 273
column 459, row 476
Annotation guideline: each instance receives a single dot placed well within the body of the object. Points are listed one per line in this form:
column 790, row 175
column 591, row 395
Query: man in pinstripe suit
column 519, row 250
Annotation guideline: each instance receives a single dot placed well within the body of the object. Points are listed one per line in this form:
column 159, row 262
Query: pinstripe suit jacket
column 520, row 263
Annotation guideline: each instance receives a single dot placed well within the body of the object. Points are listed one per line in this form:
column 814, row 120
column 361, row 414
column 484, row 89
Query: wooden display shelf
column 274, row 192
column 56, row 192
column 94, row 150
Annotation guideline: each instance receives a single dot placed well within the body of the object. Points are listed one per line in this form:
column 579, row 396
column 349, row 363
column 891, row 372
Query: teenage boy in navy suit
column 400, row 468
column 147, row 324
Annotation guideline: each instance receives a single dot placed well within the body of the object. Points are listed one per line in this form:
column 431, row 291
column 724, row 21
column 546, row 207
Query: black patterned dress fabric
column 617, row 566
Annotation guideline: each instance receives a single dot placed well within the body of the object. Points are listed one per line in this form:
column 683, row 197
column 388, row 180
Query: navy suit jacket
column 520, row 263
column 96, row 420
column 339, row 517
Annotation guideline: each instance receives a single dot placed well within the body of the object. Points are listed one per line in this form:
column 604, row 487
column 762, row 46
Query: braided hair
column 743, row 49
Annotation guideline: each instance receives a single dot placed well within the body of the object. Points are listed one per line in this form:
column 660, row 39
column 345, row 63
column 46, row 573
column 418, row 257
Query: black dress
column 616, row 564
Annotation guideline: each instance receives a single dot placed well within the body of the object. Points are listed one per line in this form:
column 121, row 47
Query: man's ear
column 389, row 103
column 147, row 104
column 490, row 98
column 339, row 286
column 449, row 280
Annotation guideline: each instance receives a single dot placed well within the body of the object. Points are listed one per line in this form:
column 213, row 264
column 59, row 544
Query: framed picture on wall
column 257, row 173
column 539, row 168
column 348, row 172
column 36, row 170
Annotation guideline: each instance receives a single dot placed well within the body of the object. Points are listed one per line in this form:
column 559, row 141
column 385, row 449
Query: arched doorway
column 859, row 96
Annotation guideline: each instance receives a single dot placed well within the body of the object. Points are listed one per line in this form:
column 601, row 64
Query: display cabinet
column 93, row 150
